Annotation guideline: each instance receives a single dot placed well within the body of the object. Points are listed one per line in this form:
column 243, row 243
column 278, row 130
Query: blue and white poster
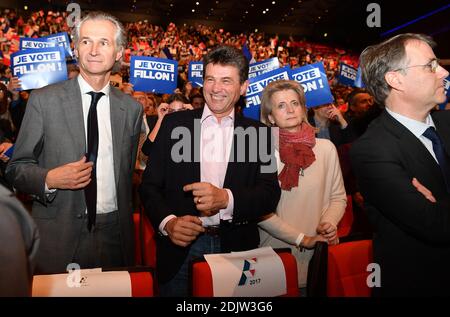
column 61, row 39
column 195, row 74
column 27, row 43
column 315, row 83
column 447, row 92
column 39, row 67
column 347, row 75
column 255, row 88
column 153, row 74
column 263, row 67
column 358, row 81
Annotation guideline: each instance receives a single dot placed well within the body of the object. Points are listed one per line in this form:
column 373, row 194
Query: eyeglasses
column 433, row 65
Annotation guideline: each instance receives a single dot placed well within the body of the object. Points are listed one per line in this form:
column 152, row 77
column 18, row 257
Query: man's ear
column 119, row 54
column 394, row 79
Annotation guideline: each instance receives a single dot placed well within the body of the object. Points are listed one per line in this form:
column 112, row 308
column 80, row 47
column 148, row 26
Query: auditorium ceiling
column 339, row 21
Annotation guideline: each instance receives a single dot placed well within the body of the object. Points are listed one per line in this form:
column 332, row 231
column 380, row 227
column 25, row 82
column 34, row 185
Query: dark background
column 344, row 21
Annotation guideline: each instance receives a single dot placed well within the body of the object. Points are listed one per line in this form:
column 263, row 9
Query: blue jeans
column 178, row 286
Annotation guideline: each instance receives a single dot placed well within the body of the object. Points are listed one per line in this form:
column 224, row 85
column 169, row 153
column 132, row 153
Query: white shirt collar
column 416, row 127
column 208, row 113
column 85, row 87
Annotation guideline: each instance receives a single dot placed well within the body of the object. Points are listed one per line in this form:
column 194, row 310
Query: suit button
column 79, row 216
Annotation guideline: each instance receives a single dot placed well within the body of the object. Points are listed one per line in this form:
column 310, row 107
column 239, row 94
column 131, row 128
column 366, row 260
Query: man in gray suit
column 75, row 154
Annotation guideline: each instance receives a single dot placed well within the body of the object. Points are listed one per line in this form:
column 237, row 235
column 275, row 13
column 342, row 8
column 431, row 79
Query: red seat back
column 141, row 284
column 145, row 241
column 347, row 268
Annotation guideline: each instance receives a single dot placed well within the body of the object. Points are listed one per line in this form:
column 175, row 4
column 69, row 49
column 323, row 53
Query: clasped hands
column 208, row 200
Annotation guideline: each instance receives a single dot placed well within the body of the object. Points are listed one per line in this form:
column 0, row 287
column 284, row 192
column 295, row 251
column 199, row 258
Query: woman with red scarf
column 313, row 197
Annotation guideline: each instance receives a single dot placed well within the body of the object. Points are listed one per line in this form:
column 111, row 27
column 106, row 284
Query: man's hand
column 423, row 190
column 335, row 114
column 75, row 175
column 183, row 230
column 208, row 198
column 162, row 110
column 328, row 231
column 188, row 106
column 14, row 86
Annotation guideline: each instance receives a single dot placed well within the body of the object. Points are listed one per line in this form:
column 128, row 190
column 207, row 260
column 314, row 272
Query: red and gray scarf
column 296, row 153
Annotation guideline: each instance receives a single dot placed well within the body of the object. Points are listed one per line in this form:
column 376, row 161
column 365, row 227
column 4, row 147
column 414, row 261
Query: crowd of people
column 86, row 154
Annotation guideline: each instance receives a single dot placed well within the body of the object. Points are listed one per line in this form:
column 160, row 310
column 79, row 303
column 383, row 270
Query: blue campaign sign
column 27, row 43
column 315, row 83
column 255, row 88
column 447, row 92
column 39, row 67
column 347, row 75
column 153, row 74
column 195, row 74
column 260, row 68
column 62, row 39
column 358, row 81
column 253, row 112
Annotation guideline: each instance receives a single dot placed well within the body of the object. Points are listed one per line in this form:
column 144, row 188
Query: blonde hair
column 281, row 85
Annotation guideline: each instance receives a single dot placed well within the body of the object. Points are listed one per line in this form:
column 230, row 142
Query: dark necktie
column 90, row 192
column 441, row 156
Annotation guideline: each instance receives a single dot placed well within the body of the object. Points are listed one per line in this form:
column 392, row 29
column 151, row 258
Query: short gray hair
column 120, row 40
column 377, row 60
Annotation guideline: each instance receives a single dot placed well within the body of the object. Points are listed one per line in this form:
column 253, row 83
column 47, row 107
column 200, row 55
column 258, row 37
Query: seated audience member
column 175, row 102
column 197, row 101
column 330, row 123
column 361, row 111
column 127, row 88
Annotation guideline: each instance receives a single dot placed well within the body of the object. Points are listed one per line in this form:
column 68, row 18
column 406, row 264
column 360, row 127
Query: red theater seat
column 340, row 270
column 347, row 269
column 141, row 284
column 202, row 285
column 145, row 244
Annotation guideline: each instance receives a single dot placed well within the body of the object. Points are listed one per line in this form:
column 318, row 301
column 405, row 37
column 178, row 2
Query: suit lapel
column 441, row 120
column 73, row 112
column 118, row 117
column 411, row 145
column 196, row 140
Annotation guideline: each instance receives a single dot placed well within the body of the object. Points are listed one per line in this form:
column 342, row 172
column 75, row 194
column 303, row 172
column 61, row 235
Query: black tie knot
column 95, row 97
column 431, row 134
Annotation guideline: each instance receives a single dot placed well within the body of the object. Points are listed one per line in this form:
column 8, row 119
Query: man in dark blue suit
column 207, row 183
column 402, row 166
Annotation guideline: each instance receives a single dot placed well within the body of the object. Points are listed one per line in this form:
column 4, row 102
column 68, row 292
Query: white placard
column 258, row 272
column 83, row 283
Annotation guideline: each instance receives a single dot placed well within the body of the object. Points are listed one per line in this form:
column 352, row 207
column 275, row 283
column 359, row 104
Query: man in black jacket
column 207, row 185
column 402, row 165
